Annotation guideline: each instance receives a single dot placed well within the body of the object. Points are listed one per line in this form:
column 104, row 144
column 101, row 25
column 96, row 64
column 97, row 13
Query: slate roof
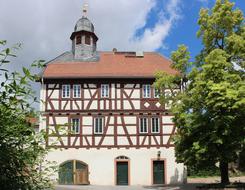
column 108, row 65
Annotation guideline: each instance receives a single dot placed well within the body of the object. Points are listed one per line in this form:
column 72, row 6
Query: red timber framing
column 117, row 132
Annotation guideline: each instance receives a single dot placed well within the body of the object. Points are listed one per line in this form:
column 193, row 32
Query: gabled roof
column 109, row 65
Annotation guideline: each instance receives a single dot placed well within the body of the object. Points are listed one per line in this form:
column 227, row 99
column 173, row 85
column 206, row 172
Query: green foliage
column 21, row 151
column 204, row 172
column 180, row 59
column 209, row 113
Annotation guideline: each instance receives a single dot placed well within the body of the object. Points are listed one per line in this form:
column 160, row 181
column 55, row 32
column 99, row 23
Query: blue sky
column 44, row 27
column 184, row 30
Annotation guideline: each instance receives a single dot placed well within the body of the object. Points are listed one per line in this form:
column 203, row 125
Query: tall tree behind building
column 209, row 113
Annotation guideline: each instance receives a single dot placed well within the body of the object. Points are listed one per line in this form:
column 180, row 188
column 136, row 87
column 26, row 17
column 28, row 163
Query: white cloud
column 44, row 27
column 153, row 38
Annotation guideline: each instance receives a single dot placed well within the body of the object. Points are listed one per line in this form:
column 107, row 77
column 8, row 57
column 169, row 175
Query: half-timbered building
column 103, row 117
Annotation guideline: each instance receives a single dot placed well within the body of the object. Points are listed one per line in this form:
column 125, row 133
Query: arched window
column 122, row 158
column 78, row 40
column 87, row 40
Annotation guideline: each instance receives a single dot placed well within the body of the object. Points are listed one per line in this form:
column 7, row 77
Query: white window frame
column 66, row 91
column 156, row 93
column 146, row 90
column 105, row 90
column 100, row 122
column 75, row 125
column 144, row 127
column 76, row 91
column 154, row 121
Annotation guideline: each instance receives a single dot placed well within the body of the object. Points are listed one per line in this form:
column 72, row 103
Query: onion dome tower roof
column 84, row 24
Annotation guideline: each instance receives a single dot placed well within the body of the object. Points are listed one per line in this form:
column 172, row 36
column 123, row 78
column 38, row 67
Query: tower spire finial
column 85, row 9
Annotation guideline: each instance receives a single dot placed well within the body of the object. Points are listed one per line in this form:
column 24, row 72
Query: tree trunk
column 223, row 166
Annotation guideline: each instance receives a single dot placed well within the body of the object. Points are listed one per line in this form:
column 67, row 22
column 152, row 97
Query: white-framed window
column 146, row 91
column 98, row 125
column 66, row 91
column 104, row 90
column 143, row 125
column 76, row 91
column 155, row 125
column 75, row 125
column 156, row 93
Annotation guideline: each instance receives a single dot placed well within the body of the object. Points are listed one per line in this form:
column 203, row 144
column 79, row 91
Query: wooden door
column 73, row 172
column 81, row 174
column 158, row 172
column 66, row 173
column 122, row 173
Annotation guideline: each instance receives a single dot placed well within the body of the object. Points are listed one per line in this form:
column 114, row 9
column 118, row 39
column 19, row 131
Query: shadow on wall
column 177, row 178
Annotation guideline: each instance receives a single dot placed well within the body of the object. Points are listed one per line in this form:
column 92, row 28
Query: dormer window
column 78, row 40
column 87, row 40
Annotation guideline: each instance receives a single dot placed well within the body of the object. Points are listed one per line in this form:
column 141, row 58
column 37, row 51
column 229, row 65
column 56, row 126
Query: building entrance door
column 158, row 172
column 122, row 173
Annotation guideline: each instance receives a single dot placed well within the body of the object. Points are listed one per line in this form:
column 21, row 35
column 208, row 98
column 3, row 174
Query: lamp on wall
column 158, row 154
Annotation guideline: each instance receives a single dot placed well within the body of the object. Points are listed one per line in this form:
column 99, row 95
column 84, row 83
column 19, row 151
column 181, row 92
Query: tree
column 209, row 113
column 21, row 151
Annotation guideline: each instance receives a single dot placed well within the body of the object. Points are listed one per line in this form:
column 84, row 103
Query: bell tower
column 83, row 38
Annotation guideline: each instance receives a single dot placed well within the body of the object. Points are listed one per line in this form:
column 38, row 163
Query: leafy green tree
column 21, row 150
column 209, row 113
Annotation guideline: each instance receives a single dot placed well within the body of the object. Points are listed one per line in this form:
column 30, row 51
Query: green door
column 122, row 173
column 158, row 172
column 66, row 173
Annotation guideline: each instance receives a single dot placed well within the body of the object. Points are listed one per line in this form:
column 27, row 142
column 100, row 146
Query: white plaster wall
column 55, row 104
column 130, row 119
column 136, row 104
column 86, row 93
column 102, row 167
column 126, row 105
column 87, row 120
column 53, row 93
column 167, row 119
column 167, row 129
